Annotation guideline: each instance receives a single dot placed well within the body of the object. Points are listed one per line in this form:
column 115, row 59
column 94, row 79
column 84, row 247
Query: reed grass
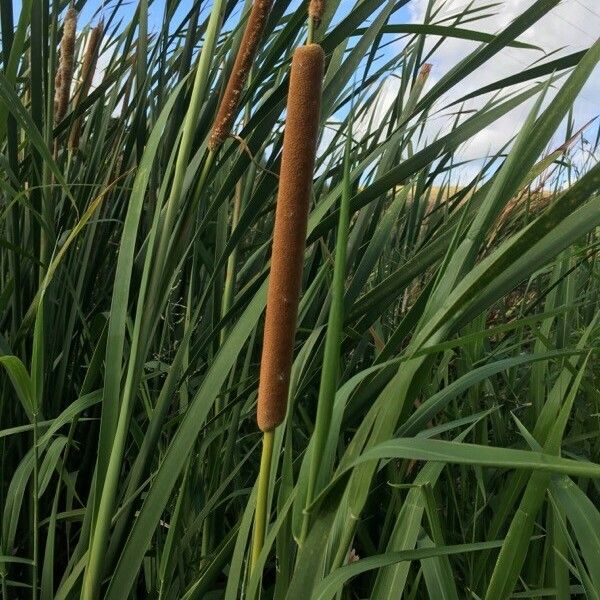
column 435, row 322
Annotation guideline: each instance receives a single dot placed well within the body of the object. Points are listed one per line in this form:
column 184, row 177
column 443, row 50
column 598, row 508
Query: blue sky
column 573, row 25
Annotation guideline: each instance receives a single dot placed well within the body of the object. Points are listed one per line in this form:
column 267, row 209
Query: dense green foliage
column 449, row 335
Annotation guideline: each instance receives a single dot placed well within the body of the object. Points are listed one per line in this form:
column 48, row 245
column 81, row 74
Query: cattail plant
column 437, row 293
column 241, row 67
column 316, row 8
column 64, row 74
column 88, row 67
column 297, row 165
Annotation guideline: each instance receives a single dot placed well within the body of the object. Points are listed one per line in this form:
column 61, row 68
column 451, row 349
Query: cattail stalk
column 289, row 235
column 64, row 74
column 333, row 342
column 88, row 67
column 241, row 67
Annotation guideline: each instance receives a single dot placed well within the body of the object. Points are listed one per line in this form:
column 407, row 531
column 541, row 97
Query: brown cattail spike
column 316, row 8
column 243, row 62
column 88, row 67
column 64, row 74
column 295, row 182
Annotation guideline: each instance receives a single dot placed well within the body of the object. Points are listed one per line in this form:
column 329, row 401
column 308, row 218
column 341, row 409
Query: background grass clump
column 442, row 431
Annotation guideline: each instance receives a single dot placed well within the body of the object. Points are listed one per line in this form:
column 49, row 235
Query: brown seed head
column 316, row 8
column 88, row 67
column 241, row 67
column 64, row 75
column 90, row 55
column 289, row 235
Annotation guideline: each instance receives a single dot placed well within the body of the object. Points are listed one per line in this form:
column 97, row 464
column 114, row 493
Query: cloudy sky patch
column 573, row 25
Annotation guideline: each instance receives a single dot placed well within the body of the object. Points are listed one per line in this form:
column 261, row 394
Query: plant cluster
column 217, row 220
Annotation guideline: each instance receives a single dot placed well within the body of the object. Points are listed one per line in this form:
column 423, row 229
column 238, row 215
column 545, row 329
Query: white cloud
column 573, row 25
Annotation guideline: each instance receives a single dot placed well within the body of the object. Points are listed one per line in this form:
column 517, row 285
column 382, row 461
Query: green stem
column 310, row 36
column 208, row 163
column 231, row 261
column 260, row 517
column 47, row 191
column 331, row 353
column 189, row 130
column 34, row 583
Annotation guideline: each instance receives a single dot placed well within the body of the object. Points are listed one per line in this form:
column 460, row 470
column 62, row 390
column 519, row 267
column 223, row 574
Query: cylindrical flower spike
column 297, row 165
column 241, row 67
column 87, row 74
column 64, row 74
column 316, row 8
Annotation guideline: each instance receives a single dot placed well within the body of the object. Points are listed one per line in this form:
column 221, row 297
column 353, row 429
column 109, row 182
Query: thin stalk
column 262, row 497
column 333, row 340
column 237, row 411
column 37, row 382
column 12, row 217
column 166, row 559
column 46, row 232
column 37, row 113
column 34, row 583
column 231, row 261
column 230, row 273
column 208, row 163
column 310, row 35
column 227, row 302
column 142, row 68
column 189, row 129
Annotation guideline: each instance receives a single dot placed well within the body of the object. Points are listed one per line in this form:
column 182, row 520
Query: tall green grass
column 442, row 432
